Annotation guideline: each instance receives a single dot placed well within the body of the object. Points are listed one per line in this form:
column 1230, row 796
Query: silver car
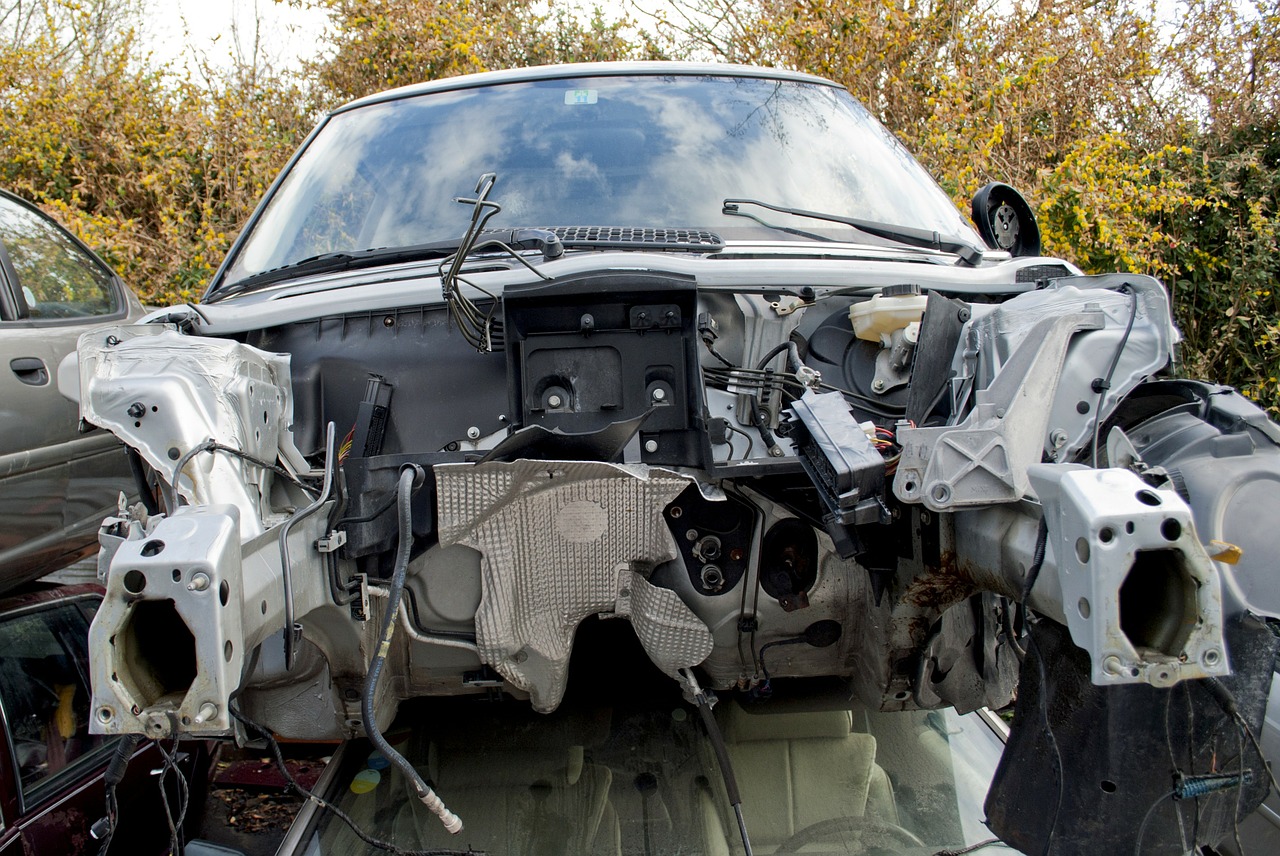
column 545, row 407
column 58, row 476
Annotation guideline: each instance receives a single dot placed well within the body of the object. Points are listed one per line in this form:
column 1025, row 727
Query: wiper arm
column 902, row 234
column 734, row 211
column 519, row 239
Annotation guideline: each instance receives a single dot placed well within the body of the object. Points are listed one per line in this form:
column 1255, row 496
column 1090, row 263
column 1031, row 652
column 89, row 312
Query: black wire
column 325, row 805
column 412, row 477
column 1037, row 560
column 1053, row 741
column 1103, row 384
column 726, row 767
column 111, row 779
column 972, row 848
column 211, row 445
column 175, row 844
column 750, row 443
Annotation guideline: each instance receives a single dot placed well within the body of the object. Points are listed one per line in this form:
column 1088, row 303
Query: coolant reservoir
column 875, row 320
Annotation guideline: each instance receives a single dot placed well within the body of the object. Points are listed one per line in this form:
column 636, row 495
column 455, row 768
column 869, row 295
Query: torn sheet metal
column 164, row 393
column 562, row 541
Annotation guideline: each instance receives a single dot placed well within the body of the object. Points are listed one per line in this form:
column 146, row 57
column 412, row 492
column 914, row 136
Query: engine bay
column 935, row 494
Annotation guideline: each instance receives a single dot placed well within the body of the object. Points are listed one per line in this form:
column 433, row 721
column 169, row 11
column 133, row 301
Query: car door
column 56, row 483
column 54, row 777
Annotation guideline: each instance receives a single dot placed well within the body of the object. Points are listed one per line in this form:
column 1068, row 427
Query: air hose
column 412, row 477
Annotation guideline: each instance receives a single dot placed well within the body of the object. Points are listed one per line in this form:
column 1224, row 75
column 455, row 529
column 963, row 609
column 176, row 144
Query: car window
column 44, row 688
column 56, row 277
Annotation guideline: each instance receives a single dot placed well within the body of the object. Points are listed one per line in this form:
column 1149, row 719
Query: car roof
column 585, row 69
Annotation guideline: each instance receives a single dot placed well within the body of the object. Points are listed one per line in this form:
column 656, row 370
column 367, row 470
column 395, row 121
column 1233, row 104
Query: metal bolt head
column 878, row 386
column 473, row 433
column 137, row 410
column 554, row 400
column 199, row 582
column 659, row 394
column 1058, row 438
column 651, row 446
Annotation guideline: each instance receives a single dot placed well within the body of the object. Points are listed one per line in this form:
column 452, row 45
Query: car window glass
column 44, row 687
column 57, row 278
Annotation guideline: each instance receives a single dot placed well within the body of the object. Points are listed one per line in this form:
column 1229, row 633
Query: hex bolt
column 554, row 400
column 199, row 582
column 137, row 410
column 878, row 385
column 473, row 433
column 659, row 394
column 651, row 446
column 208, row 711
column 1058, row 438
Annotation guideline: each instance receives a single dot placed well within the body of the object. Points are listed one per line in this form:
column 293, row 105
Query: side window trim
column 13, row 305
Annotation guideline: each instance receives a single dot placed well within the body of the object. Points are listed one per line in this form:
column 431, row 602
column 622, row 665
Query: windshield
column 639, row 777
column 643, row 151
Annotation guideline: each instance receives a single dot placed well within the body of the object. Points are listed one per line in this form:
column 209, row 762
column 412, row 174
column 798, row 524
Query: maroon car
column 52, row 793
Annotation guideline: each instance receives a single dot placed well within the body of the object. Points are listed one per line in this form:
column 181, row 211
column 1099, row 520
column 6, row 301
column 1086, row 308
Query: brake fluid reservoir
column 875, row 320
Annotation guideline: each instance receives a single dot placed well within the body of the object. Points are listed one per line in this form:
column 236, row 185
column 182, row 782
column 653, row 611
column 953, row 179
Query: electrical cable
column 1142, row 828
column 110, row 780
column 170, row 490
column 292, row 630
column 412, row 477
column 972, row 848
column 750, row 444
column 1101, row 385
column 1037, row 560
column 1053, row 741
column 703, row 703
column 278, row 757
column 184, row 795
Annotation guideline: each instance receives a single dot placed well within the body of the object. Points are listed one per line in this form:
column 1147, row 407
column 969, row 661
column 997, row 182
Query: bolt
column 137, row 410
column 1058, row 438
column 659, row 394
column 112, row 341
column 199, row 582
column 651, row 446
column 775, row 451
column 1112, row 666
column 473, row 433
column 554, row 401
column 878, row 385
column 692, row 535
column 1000, row 413
column 208, row 711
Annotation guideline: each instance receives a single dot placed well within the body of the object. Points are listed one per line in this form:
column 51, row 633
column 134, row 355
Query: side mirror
column 1005, row 221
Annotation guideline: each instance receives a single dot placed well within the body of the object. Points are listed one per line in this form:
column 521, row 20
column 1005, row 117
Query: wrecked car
column 549, row 407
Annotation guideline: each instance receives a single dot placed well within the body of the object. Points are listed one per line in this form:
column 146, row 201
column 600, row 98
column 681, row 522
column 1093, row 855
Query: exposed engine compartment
column 880, row 483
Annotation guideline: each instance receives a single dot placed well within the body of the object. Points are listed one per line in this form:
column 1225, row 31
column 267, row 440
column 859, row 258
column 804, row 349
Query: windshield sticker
column 581, row 96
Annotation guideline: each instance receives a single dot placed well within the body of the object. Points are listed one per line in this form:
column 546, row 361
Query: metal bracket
column 983, row 460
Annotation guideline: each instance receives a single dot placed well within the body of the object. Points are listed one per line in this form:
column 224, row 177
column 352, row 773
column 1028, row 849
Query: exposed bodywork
column 868, row 462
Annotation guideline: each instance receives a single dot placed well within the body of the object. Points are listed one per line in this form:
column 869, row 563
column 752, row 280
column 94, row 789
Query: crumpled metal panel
column 561, row 541
column 163, row 393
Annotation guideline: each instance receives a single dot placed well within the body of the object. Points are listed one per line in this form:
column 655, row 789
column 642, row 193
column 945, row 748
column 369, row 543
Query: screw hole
column 1149, row 497
column 1171, row 529
column 224, row 592
column 177, row 575
column 1108, row 786
column 1129, row 527
column 1083, row 607
column 1082, row 550
column 226, row 651
column 1107, row 535
column 135, row 581
column 264, row 607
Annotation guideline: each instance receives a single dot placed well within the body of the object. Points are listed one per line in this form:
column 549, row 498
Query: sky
column 177, row 30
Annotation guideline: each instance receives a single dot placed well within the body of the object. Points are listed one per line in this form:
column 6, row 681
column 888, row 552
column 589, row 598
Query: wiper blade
column 340, row 261
column 901, row 234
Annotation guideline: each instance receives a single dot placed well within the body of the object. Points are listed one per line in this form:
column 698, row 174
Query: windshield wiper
column 342, row 260
column 901, row 234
